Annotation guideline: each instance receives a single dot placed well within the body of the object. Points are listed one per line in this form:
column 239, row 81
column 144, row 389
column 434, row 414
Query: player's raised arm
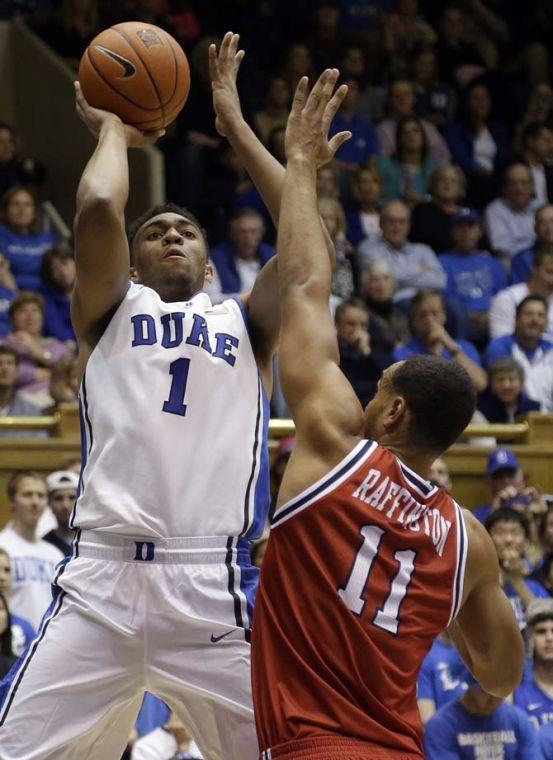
column 319, row 396
column 266, row 173
column 485, row 630
column 101, row 250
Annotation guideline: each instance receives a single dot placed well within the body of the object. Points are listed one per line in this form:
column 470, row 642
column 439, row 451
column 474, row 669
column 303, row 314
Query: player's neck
column 26, row 532
column 543, row 676
column 419, row 462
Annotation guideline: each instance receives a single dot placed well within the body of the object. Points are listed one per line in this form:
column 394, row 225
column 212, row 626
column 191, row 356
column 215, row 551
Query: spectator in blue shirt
column 532, row 352
column 58, row 274
column 22, row 631
column 8, row 289
column 364, row 140
column 441, row 677
column 21, row 241
column 522, row 262
column 509, row 530
column 545, row 739
column 535, row 695
column 428, row 318
column 473, row 276
column 504, row 399
column 406, row 173
column 239, row 260
column 477, row 725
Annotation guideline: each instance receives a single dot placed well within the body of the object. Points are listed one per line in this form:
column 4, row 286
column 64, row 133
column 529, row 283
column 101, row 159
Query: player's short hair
column 161, row 208
column 530, row 299
column 508, row 514
column 440, row 397
column 18, row 476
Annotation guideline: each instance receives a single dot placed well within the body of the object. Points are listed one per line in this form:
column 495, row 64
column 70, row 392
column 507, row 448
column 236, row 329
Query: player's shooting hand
column 96, row 119
column 310, row 119
column 223, row 69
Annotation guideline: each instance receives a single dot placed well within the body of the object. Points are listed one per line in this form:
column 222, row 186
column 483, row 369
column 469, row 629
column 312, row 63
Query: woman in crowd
column 334, row 219
column 431, row 220
column 504, row 399
column 22, row 632
column 406, row 173
column 58, row 273
column 36, row 353
column 276, row 109
column 478, row 144
column 363, row 219
column 378, row 288
column 22, row 241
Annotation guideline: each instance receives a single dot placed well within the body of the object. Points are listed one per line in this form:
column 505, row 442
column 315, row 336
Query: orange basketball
column 138, row 72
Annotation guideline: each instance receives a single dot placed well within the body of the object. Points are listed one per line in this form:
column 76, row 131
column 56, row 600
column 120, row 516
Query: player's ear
column 395, row 412
column 133, row 275
column 208, row 273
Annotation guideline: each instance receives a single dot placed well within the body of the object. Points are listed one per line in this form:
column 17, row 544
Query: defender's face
column 170, row 247
column 378, row 408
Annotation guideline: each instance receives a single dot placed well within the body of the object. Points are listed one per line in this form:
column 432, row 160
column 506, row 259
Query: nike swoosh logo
column 215, row 639
column 534, row 705
column 129, row 69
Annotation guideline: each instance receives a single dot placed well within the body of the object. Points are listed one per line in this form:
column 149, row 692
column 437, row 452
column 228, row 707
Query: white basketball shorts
column 128, row 615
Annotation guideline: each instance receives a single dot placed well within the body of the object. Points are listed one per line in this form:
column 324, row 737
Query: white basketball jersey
column 173, row 423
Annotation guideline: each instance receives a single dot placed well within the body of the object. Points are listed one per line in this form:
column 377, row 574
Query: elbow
column 95, row 207
column 500, row 674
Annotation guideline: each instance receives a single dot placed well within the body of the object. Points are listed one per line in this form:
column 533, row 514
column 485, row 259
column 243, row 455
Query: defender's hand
column 310, row 119
column 223, row 68
column 95, row 119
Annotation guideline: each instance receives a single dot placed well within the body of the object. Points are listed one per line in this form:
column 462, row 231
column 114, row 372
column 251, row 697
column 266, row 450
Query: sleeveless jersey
column 361, row 572
column 173, row 423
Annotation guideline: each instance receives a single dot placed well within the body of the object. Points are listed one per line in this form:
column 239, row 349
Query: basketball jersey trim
column 422, row 487
column 357, row 456
column 86, row 444
column 459, row 577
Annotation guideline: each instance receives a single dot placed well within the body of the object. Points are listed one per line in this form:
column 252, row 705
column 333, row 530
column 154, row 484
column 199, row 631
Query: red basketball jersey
column 361, row 572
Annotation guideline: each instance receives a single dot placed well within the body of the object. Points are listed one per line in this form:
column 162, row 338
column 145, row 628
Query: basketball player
column 158, row 593
column 366, row 561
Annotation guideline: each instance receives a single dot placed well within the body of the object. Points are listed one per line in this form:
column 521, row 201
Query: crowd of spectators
column 441, row 211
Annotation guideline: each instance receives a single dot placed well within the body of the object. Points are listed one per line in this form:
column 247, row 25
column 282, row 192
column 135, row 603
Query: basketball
column 137, row 71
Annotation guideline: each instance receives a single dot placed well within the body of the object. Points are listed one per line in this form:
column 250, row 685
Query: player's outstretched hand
column 95, row 118
column 310, row 119
column 223, row 68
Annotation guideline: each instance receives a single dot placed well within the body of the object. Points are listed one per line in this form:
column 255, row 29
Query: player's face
column 378, row 410
column 61, row 502
column 542, row 641
column 5, row 574
column 29, row 501
column 170, row 252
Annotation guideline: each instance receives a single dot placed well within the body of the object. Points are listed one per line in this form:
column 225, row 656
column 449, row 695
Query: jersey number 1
column 175, row 403
column 387, row 616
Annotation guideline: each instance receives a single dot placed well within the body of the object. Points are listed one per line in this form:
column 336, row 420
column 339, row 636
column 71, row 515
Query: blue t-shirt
column 455, row 734
column 415, row 346
column 482, row 512
column 361, row 14
column 57, row 316
column 499, row 348
column 441, row 677
column 22, row 634
column 473, row 279
column 519, row 609
column 6, row 297
column 521, row 266
column 363, row 143
column 535, row 703
column 545, row 739
column 24, row 253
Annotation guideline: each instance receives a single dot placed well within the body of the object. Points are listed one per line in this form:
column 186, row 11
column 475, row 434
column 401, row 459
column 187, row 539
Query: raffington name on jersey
column 169, row 332
column 380, row 492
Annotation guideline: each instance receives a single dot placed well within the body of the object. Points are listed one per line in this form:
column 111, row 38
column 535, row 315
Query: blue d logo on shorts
column 144, row 551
